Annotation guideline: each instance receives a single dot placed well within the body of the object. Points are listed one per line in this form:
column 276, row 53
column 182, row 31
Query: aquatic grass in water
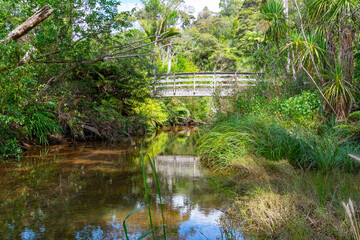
column 152, row 228
column 153, row 168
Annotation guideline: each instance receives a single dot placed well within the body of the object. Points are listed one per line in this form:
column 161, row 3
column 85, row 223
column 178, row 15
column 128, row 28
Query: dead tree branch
column 102, row 57
column 29, row 24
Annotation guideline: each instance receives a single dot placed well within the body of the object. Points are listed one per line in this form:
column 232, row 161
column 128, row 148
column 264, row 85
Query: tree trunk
column 281, row 59
column 346, row 54
column 29, row 24
column 169, row 57
column 331, row 47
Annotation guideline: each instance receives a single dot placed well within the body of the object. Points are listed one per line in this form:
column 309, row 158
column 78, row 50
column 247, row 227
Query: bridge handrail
column 189, row 74
column 209, row 82
column 203, row 85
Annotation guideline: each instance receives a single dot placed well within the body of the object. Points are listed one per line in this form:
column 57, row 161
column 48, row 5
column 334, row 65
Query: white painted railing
column 203, row 83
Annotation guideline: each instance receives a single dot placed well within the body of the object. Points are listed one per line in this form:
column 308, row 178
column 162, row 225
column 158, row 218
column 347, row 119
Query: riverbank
column 291, row 182
column 280, row 202
column 94, row 119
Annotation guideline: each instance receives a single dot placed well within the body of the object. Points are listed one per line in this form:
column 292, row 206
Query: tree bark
column 281, row 59
column 346, row 54
column 330, row 47
column 169, row 53
column 29, row 24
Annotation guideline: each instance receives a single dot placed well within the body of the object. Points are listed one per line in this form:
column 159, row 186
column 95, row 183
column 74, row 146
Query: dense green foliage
column 89, row 72
column 86, row 72
column 88, row 75
column 291, row 163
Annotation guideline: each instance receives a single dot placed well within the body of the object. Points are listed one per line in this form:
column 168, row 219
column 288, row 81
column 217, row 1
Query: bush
column 153, row 111
column 304, row 104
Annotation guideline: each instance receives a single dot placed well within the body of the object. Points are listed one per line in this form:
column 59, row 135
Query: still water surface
column 84, row 191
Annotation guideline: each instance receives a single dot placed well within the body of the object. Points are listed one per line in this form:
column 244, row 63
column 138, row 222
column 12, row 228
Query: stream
column 85, row 191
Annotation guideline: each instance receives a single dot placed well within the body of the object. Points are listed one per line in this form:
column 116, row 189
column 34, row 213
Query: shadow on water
column 84, row 191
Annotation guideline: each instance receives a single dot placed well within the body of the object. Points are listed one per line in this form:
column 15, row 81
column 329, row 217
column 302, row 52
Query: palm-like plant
column 160, row 33
column 335, row 18
column 339, row 92
column 272, row 12
column 298, row 45
column 159, row 29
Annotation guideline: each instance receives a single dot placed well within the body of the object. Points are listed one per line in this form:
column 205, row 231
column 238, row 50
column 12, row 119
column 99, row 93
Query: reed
column 152, row 228
column 153, row 168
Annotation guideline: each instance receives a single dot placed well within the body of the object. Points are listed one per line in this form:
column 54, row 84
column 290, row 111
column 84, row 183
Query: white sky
column 213, row 5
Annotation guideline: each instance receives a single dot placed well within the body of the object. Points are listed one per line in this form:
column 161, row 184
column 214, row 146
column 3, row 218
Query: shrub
column 153, row 111
column 304, row 104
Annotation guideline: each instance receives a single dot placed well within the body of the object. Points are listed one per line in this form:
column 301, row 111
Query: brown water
column 84, row 191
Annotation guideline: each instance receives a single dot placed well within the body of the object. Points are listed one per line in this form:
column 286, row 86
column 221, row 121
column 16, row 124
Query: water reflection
column 84, row 191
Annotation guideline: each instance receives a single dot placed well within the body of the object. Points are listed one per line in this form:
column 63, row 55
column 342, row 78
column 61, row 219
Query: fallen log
column 189, row 121
column 91, row 129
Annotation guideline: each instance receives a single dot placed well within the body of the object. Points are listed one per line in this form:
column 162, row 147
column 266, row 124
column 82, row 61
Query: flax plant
column 339, row 91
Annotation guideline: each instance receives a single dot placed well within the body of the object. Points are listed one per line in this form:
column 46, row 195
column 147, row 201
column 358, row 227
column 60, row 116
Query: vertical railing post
column 214, row 82
column 236, row 78
column 156, row 82
column 174, row 85
column 194, row 83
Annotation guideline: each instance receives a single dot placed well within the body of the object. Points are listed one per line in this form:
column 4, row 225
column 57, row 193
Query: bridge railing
column 203, row 83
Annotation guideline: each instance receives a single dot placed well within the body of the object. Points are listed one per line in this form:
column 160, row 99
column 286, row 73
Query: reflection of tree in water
column 89, row 188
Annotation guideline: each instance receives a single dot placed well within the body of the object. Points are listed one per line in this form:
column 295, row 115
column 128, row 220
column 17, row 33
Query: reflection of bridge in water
column 203, row 83
column 178, row 165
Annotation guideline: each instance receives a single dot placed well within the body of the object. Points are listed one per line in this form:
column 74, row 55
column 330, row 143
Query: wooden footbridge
column 203, row 83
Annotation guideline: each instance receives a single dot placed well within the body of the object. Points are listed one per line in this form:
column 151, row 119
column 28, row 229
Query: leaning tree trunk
column 29, row 24
column 22, row 30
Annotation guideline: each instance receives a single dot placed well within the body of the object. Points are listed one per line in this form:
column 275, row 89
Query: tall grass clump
column 244, row 135
column 329, row 152
column 222, row 143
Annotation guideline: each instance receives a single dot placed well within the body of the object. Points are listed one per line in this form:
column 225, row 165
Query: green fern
column 40, row 124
